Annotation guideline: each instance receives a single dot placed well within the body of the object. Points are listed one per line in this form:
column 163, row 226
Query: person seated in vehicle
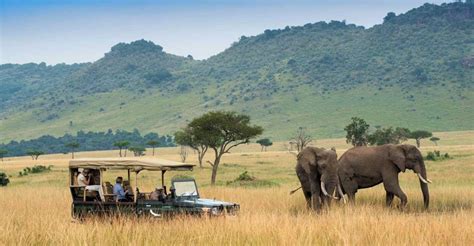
column 126, row 186
column 84, row 180
column 157, row 194
column 120, row 194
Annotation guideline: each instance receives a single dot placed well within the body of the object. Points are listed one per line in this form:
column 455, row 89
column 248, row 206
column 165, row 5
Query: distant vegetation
column 35, row 169
column 247, row 180
column 84, row 141
column 416, row 67
column 358, row 134
column 4, row 180
column 436, row 155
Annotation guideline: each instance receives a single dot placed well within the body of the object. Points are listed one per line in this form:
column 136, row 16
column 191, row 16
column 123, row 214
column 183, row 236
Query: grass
column 36, row 209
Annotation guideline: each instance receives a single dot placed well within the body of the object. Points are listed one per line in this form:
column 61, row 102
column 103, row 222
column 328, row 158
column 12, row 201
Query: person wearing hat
column 83, row 179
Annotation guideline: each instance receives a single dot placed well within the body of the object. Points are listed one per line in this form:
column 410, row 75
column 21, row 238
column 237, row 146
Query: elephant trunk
column 424, row 183
column 330, row 181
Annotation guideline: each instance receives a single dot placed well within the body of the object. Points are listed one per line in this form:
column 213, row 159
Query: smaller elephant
column 365, row 167
column 316, row 169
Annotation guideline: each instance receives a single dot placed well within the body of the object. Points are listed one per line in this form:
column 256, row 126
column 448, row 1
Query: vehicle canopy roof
column 135, row 164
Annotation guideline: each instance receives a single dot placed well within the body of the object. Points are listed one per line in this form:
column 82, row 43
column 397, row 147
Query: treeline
column 83, row 141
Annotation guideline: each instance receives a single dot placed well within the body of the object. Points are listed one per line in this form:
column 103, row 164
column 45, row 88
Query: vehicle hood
column 205, row 202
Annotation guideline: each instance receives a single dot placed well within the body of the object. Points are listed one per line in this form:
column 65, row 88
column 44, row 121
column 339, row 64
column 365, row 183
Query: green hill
column 415, row 70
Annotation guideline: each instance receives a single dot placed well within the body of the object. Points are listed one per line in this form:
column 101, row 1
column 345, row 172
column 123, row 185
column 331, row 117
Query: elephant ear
column 307, row 158
column 397, row 155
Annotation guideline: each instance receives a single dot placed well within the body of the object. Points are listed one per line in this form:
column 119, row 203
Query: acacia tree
column 388, row 136
column 420, row 134
column 301, row 139
column 357, row 134
column 183, row 153
column 73, row 146
column 153, row 144
column 137, row 150
column 122, row 145
column 265, row 142
column 222, row 131
column 3, row 152
column 194, row 140
column 432, row 139
column 34, row 154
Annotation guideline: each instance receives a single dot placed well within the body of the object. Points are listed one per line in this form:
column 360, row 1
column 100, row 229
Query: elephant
column 364, row 167
column 316, row 169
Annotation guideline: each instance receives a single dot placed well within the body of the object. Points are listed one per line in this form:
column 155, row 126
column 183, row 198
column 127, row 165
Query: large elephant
column 316, row 169
column 364, row 167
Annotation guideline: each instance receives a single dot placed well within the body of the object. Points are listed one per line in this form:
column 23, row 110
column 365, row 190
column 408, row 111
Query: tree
column 121, row 145
column 381, row 136
column 137, row 150
column 183, row 153
column 420, row 134
column 153, row 144
column 73, row 146
column 357, row 133
column 34, row 154
column 432, row 139
column 222, row 131
column 388, row 136
column 265, row 142
column 301, row 139
column 3, row 152
column 193, row 139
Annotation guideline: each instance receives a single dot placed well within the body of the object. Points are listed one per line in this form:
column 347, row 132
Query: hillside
column 415, row 70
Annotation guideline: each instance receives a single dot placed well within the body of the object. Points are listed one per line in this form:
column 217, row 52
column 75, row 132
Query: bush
column 437, row 156
column 4, row 179
column 247, row 180
column 35, row 169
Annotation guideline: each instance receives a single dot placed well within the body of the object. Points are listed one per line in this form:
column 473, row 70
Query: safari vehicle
column 182, row 197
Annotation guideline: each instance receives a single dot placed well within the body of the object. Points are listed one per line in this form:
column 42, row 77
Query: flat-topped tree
column 193, row 139
column 73, row 146
column 435, row 140
column 265, row 142
column 420, row 134
column 122, row 145
column 222, row 131
column 34, row 154
column 153, row 144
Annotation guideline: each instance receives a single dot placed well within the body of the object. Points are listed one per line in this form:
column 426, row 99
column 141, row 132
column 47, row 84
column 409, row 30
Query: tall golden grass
column 36, row 209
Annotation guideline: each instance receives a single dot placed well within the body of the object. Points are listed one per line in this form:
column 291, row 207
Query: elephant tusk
column 423, row 180
column 323, row 189
column 341, row 193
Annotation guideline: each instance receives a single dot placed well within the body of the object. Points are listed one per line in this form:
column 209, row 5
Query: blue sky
column 67, row 31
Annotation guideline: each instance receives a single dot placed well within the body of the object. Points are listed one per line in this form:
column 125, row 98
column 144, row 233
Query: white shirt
column 81, row 180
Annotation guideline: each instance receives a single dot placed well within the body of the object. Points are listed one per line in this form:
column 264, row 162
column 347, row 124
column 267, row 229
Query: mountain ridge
column 414, row 58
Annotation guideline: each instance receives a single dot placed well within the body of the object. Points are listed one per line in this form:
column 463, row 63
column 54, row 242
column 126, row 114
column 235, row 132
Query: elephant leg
column 391, row 185
column 389, row 199
column 350, row 187
column 305, row 185
column 315, row 192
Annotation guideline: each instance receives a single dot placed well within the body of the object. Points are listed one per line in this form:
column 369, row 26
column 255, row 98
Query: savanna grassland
column 35, row 209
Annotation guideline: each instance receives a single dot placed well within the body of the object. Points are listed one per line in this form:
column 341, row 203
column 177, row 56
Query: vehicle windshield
column 185, row 188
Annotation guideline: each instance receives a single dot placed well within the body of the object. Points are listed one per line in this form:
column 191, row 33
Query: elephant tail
column 295, row 190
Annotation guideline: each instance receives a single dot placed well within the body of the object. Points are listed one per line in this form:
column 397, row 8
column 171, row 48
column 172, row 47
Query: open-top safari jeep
column 182, row 197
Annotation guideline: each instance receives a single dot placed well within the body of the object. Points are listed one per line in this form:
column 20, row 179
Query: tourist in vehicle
column 119, row 192
column 84, row 179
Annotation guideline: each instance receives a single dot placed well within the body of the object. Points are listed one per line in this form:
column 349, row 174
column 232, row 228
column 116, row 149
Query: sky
column 65, row 31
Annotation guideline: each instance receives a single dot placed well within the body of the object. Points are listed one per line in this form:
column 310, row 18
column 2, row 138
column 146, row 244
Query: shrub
column 247, row 180
column 437, row 156
column 35, row 169
column 4, row 179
